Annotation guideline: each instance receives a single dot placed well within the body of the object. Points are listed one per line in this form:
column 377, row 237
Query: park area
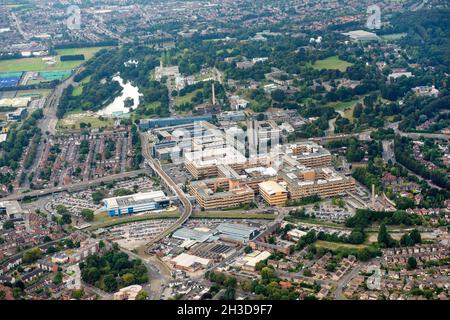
column 76, row 120
column 332, row 63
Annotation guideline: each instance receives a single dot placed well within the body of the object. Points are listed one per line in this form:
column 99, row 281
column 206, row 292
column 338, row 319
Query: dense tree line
column 18, row 139
column 403, row 154
column 113, row 270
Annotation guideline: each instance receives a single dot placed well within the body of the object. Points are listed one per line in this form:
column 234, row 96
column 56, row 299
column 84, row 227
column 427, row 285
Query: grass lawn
column 37, row 64
column 332, row 63
column 79, row 90
column 32, row 93
column 335, row 245
column 232, row 215
column 142, row 115
column 187, row 98
column 207, row 75
column 315, row 222
column 73, row 120
column 343, row 105
column 393, row 36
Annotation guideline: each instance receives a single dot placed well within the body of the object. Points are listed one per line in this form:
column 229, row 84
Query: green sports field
column 37, row 64
column 332, row 63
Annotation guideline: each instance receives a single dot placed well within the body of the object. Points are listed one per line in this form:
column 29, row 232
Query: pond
column 117, row 107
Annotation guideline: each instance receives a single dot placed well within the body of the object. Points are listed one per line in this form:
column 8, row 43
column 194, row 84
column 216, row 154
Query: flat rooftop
column 11, row 207
column 272, row 187
column 135, row 199
column 214, row 157
column 191, row 234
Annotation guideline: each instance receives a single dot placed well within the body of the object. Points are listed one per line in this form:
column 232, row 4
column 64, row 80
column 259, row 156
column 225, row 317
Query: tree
column 415, row 236
column 110, row 283
column 87, row 214
column 406, row 240
column 2, row 295
column 66, row 218
column 229, row 294
column 17, row 293
column 267, row 273
column 77, row 294
column 384, row 238
column 57, row 279
column 8, row 225
column 97, row 197
column 32, row 255
column 278, row 95
column 61, row 209
column 248, row 249
column 142, row 295
column 411, row 264
column 230, row 282
column 128, row 279
column 90, row 275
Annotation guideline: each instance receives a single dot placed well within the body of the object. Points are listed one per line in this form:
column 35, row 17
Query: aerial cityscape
column 238, row 150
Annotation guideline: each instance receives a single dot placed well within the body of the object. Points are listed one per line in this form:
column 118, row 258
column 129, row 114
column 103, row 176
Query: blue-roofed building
column 139, row 202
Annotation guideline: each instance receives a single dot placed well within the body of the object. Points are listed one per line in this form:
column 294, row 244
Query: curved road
column 187, row 206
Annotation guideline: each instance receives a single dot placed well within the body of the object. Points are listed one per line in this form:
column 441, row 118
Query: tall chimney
column 213, row 95
column 373, row 194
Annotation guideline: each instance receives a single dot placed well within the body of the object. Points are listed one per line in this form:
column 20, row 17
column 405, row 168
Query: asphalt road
column 76, row 186
column 158, row 272
column 187, row 206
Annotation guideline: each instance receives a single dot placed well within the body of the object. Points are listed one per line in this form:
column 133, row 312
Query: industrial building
column 214, row 251
column 237, row 232
column 273, row 193
column 249, row 261
column 189, row 263
column 139, row 202
column 11, row 210
column 17, row 115
column 187, row 234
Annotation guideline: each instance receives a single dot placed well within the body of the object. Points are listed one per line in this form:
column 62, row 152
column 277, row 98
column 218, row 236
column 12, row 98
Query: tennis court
column 10, row 79
column 9, row 82
column 55, row 75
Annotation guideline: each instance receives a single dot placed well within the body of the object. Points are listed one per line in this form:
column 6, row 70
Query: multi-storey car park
column 139, row 202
